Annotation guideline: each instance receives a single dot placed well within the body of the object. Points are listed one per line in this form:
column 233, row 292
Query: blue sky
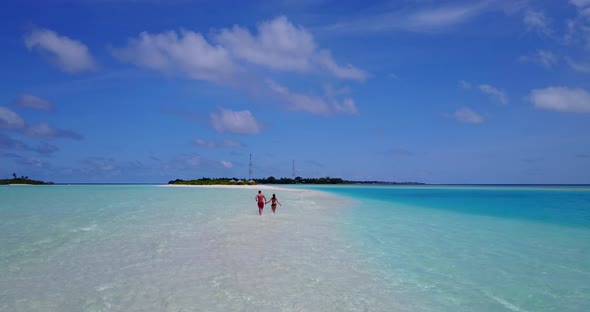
column 430, row 91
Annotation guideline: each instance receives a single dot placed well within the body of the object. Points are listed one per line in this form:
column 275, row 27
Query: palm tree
column 14, row 175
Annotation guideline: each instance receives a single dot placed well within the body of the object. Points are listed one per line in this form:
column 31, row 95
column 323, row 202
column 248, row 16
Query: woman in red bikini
column 260, row 198
column 273, row 203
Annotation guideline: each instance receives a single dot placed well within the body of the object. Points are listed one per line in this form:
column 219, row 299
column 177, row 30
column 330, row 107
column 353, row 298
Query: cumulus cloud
column 33, row 102
column 467, row 115
column 70, row 55
column 226, row 164
column 281, row 45
column 187, row 52
column 10, row 119
column 537, row 21
column 241, row 122
column 494, row 92
column 278, row 45
column 562, row 99
column 44, row 130
column 543, row 57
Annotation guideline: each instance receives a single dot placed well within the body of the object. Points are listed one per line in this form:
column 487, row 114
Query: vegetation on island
column 273, row 180
column 23, row 180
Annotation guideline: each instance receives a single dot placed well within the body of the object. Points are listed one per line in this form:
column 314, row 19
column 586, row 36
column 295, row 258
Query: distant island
column 22, row 180
column 273, row 180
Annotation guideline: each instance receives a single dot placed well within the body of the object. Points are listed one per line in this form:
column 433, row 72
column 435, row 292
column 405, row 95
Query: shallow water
column 154, row 248
column 149, row 248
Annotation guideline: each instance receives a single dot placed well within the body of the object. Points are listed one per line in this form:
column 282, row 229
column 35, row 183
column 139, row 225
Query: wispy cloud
column 562, row 99
column 346, row 106
column 542, row 57
column 240, row 122
column 10, row 119
column 495, row 93
column 427, row 19
column 499, row 95
column 226, row 164
column 464, row 84
column 33, row 102
column 70, row 55
column 538, row 22
column 44, row 130
column 467, row 115
column 214, row 144
column 578, row 66
column 8, row 143
column 299, row 102
column 311, row 103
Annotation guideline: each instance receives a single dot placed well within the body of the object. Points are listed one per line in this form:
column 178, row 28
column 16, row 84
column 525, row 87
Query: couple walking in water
column 261, row 199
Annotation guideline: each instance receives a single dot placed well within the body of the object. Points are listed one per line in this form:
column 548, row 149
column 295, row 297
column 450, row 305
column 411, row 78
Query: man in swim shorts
column 260, row 198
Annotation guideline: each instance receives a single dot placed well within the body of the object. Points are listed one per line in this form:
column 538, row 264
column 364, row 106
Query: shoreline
column 247, row 187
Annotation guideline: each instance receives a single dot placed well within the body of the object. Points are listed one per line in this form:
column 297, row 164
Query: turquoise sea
column 328, row 248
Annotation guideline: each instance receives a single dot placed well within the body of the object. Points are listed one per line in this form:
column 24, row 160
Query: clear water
column 353, row 248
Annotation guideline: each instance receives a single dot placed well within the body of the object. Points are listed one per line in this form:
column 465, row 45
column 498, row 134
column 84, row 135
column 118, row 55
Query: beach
column 328, row 248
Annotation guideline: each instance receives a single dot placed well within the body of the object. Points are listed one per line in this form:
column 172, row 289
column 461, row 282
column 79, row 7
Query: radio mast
column 293, row 173
column 250, row 169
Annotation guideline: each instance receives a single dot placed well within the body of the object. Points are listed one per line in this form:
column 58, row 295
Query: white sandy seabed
column 210, row 255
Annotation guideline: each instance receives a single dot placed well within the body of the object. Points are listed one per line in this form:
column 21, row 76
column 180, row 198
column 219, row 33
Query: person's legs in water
column 260, row 207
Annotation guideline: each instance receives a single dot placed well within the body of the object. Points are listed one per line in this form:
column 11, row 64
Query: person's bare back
column 261, row 199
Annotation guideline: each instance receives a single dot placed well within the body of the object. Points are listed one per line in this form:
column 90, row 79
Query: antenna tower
column 250, row 168
column 293, row 173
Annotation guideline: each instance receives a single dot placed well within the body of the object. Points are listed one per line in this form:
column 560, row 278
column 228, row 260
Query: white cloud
column 226, row 164
column 562, row 99
column 467, row 115
column 241, row 122
column 10, row 119
column 203, row 143
column 70, row 55
column 280, row 45
column 579, row 67
column 464, row 84
column 300, row 102
column 425, row 19
column 347, row 106
column 580, row 3
column 543, row 57
column 498, row 94
column 213, row 144
column 187, row 52
column 232, row 143
column 44, row 130
column 193, row 161
column 537, row 21
column 34, row 102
